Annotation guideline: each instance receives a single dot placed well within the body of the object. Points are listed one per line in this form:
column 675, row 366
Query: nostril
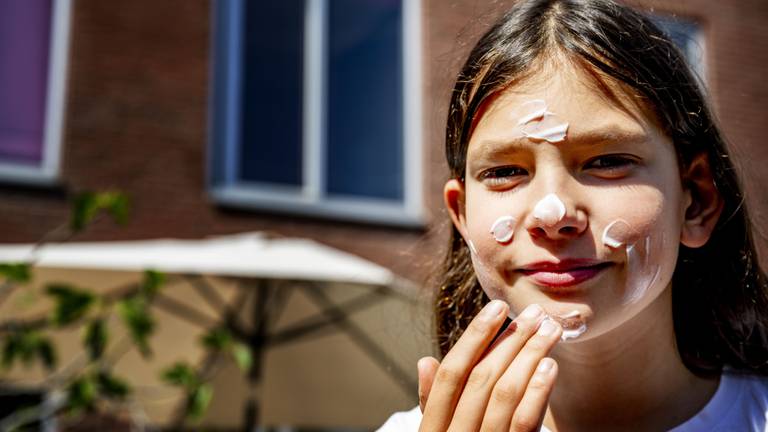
column 567, row 230
column 539, row 232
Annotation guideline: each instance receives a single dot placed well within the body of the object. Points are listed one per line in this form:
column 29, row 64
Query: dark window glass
column 24, row 44
column 364, row 119
column 271, row 141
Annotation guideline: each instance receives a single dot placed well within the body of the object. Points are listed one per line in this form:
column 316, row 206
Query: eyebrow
column 492, row 148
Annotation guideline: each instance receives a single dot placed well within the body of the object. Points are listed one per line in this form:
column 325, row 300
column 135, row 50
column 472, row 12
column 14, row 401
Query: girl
column 594, row 205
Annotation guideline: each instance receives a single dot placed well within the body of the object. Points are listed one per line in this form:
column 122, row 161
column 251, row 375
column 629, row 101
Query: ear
column 703, row 203
column 453, row 195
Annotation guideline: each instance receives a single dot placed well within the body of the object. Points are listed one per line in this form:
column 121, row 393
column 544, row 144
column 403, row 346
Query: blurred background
column 223, row 215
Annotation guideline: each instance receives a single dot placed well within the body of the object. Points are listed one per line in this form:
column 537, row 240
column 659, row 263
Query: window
column 689, row 38
column 33, row 53
column 316, row 108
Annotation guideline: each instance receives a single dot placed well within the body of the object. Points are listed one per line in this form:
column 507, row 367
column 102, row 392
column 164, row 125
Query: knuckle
column 524, row 423
column 505, row 393
column 479, row 378
column 538, row 383
column 450, row 375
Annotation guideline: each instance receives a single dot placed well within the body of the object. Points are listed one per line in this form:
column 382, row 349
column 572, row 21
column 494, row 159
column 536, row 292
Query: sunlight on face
column 613, row 165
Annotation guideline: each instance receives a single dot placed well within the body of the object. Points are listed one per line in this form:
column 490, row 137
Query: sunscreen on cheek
column 503, row 229
column 642, row 256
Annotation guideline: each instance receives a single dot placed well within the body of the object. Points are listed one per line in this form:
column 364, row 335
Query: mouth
column 563, row 274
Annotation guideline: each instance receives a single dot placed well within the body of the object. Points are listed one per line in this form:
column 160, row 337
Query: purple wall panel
column 25, row 27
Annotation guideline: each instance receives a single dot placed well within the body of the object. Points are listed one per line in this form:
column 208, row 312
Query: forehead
column 590, row 104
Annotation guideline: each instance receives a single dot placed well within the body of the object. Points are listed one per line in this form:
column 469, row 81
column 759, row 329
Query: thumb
column 427, row 367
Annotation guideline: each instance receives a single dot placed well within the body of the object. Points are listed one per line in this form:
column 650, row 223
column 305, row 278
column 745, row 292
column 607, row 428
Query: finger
column 509, row 389
column 530, row 413
column 427, row 367
column 453, row 371
column 474, row 398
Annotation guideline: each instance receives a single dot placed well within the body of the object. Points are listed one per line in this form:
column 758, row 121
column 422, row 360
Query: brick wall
column 137, row 105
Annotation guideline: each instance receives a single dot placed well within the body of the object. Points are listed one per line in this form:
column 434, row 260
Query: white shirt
column 739, row 404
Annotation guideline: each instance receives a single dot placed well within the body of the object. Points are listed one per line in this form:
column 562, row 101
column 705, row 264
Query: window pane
column 365, row 130
column 272, row 92
column 24, row 44
column 684, row 34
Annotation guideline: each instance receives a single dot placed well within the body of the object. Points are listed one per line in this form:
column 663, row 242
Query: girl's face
column 595, row 216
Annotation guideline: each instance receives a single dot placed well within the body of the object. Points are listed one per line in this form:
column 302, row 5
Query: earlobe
column 453, row 195
column 703, row 203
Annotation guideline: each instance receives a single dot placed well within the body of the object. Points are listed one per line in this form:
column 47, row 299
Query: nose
column 555, row 218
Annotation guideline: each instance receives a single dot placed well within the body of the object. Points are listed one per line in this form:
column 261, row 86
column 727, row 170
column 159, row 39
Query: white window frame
column 311, row 198
column 48, row 170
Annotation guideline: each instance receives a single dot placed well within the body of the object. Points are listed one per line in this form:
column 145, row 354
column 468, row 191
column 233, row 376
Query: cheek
column 482, row 214
column 491, row 223
column 643, row 232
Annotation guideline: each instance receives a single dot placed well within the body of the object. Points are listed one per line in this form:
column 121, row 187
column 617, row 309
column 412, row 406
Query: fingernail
column 547, row 327
column 532, row 311
column 545, row 365
column 420, row 365
column 492, row 310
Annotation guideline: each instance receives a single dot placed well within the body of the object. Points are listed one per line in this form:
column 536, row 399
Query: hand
column 502, row 387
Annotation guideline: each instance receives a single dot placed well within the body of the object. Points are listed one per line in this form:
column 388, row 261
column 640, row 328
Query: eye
column 612, row 165
column 502, row 176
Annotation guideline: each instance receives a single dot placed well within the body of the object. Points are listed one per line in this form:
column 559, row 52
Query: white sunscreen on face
column 572, row 324
column 552, row 134
column 539, row 124
column 550, row 210
column 503, row 229
column 573, row 333
column 532, row 110
column 472, row 247
column 642, row 271
column 616, row 234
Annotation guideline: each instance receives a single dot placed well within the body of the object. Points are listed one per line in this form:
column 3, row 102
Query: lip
column 564, row 273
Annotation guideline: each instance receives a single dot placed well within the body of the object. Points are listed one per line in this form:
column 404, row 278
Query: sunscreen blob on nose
column 550, row 210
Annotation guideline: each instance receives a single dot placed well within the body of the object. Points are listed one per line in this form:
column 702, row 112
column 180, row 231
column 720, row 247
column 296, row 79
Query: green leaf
column 198, row 401
column 135, row 315
column 47, row 353
column 112, row 387
column 217, row 339
column 11, row 350
column 181, row 375
column 81, row 394
column 26, row 346
column 243, row 356
column 84, row 209
column 152, row 282
column 19, row 272
column 88, row 204
column 71, row 304
column 95, row 338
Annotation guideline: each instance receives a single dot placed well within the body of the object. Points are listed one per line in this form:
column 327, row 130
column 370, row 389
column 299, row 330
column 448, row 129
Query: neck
column 631, row 378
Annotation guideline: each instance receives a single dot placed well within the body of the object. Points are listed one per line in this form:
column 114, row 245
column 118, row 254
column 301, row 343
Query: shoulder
column 404, row 421
column 750, row 396
column 752, row 388
column 740, row 403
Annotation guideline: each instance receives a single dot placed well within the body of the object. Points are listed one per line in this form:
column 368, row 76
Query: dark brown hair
column 719, row 293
